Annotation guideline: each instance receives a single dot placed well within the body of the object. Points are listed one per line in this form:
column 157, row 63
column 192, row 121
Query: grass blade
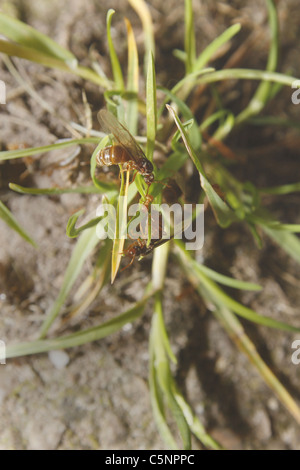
column 162, row 384
column 195, row 135
column 27, row 152
column 165, row 380
column 159, row 267
column 27, row 53
column 25, row 35
column 280, row 190
column 289, row 242
column 80, row 337
column 151, row 107
column 212, row 48
column 157, row 402
column 224, row 215
column 221, row 299
column 115, row 64
column 262, row 93
column 85, row 245
column 189, row 37
column 160, row 349
column 93, row 284
column 120, row 235
column 227, row 281
column 12, row 222
column 132, row 80
column 55, row 191
column 243, row 342
column 236, row 332
column 143, row 12
column 246, row 74
column 73, row 232
column 194, row 423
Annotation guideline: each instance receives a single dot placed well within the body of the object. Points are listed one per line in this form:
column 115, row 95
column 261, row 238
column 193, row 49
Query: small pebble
column 59, row 359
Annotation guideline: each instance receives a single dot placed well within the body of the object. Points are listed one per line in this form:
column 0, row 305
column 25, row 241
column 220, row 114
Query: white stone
column 59, row 359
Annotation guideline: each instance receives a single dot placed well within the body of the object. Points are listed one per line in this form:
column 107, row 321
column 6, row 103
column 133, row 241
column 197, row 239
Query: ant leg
column 133, row 177
column 129, row 264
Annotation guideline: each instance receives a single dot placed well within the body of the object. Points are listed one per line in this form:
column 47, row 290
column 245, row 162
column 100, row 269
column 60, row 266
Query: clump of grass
column 238, row 203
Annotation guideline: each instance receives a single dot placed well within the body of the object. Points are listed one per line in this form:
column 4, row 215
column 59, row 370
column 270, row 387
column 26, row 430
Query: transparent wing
column 156, row 244
column 111, row 125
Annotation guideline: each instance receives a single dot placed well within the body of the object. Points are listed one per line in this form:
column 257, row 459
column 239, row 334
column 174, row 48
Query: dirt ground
column 100, row 399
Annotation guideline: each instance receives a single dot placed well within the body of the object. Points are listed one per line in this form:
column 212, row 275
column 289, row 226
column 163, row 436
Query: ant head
column 134, row 250
column 131, row 252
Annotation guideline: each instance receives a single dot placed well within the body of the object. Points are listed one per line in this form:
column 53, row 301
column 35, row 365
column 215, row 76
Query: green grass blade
column 225, row 128
column 161, row 346
column 186, row 141
column 236, row 332
column 194, row 423
column 12, row 222
column 132, row 80
column 224, row 215
column 280, row 190
column 293, row 228
column 246, row 74
column 142, row 9
column 189, row 37
column 85, row 245
column 157, row 400
column 220, row 299
column 180, row 55
column 80, row 337
column 264, row 90
column 115, row 64
column 27, row 152
column 289, row 242
column 93, row 284
column 273, row 121
column 72, row 231
column 165, row 381
column 151, row 107
column 25, row 35
column 187, row 114
column 162, row 328
column 27, row 53
column 227, row 281
column 212, row 48
column 159, row 266
column 55, row 191
column 173, row 163
column 218, row 115
column 185, row 85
